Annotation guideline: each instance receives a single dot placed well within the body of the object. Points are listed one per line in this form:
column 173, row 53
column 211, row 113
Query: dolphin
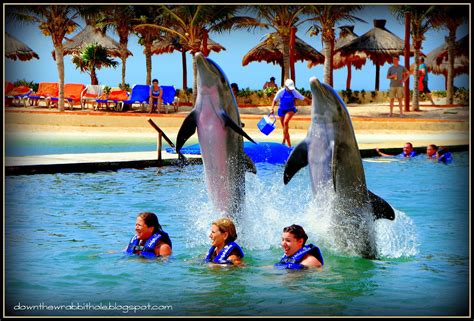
column 331, row 152
column 217, row 119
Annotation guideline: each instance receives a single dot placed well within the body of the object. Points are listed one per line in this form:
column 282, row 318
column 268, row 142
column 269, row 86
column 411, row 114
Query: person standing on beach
column 287, row 109
column 397, row 75
column 156, row 94
column 423, row 73
column 270, row 84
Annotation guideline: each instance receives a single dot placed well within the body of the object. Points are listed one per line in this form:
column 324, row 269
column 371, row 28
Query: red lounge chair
column 90, row 94
column 46, row 90
column 20, row 93
column 115, row 96
column 72, row 94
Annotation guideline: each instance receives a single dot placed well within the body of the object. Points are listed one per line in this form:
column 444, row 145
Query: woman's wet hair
column 226, row 225
column 433, row 146
column 151, row 219
column 297, row 231
column 155, row 80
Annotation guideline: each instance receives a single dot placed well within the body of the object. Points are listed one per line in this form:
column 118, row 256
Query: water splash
column 270, row 206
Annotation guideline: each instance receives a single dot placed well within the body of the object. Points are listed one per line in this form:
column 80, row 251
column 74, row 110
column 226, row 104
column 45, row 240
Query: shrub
column 30, row 84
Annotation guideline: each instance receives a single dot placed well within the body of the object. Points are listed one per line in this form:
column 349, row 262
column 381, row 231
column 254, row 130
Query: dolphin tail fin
column 249, row 165
column 236, row 128
column 188, row 128
column 296, row 161
column 380, row 207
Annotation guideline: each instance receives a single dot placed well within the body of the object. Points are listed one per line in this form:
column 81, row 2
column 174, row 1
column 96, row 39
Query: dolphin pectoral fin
column 236, row 128
column 380, row 207
column 188, row 128
column 249, row 165
column 296, row 161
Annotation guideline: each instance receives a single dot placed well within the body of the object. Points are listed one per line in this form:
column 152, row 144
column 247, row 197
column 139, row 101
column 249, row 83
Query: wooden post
column 407, row 60
column 161, row 136
column 159, row 144
column 377, row 76
column 292, row 53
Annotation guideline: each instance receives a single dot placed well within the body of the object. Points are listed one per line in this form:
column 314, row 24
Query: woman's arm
column 310, row 261
column 382, row 154
column 162, row 249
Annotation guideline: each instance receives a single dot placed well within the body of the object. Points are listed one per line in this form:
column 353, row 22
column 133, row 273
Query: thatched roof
column 345, row 36
column 15, row 49
column 90, row 35
column 437, row 60
column 270, row 50
column 170, row 44
column 379, row 44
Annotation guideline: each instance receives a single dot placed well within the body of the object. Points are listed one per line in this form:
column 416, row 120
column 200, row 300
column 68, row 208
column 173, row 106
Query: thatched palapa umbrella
column 15, row 49
column 437, row 60
column 171, row 43
column 358, row 59
column 89, row 35
column 379, row 44
column 271, row 50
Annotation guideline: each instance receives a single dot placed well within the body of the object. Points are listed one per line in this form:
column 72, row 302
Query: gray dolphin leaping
column 216, row 117
column 331, row 152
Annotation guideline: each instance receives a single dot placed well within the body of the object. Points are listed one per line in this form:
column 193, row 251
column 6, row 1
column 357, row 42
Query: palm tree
column 122, row 19
column 282, row 19
column 54, row 21
column 192, row 23
column 420, row 23
column 93, row 57
column 148, row 17
column 450, row 17
column 327, row 16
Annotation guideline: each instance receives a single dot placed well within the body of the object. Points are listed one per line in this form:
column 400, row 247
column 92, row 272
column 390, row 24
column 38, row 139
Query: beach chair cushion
column 72, row 92
column 46, row 89
column 19, row 92
column 140, row 94
column 115, row 95
column 92, row 92
column 8, row 86
column 169, row 92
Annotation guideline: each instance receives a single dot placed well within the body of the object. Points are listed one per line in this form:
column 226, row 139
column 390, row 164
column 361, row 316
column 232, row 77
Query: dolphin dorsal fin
column 380, row 207
column 188, row 128
column 236, row 128
column 296, row 161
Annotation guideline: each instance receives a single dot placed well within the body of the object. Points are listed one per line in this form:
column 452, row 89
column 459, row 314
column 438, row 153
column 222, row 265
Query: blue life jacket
column 221, row 257
column 293, row 262
column 403, row 155
column 287, row 100
column 446, row 158
column 148, row 250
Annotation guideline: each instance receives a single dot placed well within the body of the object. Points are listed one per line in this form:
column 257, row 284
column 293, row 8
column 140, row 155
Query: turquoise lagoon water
column 64, row 234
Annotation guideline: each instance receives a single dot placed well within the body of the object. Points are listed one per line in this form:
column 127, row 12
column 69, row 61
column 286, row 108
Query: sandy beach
column 441, row 125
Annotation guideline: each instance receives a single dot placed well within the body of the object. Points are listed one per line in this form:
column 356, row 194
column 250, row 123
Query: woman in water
column 150, row 239
column 224, row 250
column 156, row 94
column 298, row 255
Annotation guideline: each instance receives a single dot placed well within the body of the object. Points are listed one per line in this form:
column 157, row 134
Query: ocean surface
column 65, row 233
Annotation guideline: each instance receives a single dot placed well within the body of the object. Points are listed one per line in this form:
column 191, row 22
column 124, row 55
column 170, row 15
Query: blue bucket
column 266, row 125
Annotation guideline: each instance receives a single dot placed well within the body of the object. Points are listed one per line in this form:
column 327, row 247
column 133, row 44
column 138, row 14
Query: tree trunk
column 286, row 57
column 292, row 54
column 377, row 77
column 406, row 54
column 60, row 65
column 450, row 40
column 416, row 91
column 328, row 61
column 123, row 57
column 195, row 79
column 148, row 61
column 349, row 75
column 185, row 71
column 94, row 79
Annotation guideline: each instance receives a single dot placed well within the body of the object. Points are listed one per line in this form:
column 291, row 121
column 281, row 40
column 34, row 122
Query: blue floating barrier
column 264, row 152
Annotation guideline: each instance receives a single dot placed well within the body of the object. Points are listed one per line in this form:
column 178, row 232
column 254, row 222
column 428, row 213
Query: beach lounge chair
column 8, row 86
column 115, row 96
column 90, row 94
column 19, row 93
column 72, row 94
column 140, row 95
column 46, row 90
column 169, row 98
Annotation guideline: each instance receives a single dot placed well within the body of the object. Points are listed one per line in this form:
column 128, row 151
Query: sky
column 167, row 68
